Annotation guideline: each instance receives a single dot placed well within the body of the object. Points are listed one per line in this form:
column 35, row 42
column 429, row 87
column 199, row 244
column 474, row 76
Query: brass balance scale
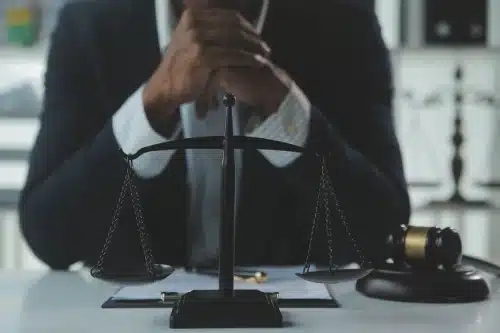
column 426, row 262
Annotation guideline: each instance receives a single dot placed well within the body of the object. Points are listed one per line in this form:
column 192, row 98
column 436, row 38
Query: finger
column 203, row 4
column 207, row 99
column 234, row 38
column 216, row 57
column 216, row 17
column 201, row 110
column 204, row 100
column 225, row 28
column 226, row 75
column 229, row 18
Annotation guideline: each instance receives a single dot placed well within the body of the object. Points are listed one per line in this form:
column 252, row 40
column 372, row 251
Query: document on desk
column 281, row 280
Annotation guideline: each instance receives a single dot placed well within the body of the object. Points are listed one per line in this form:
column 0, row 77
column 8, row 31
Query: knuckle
column 188, row 18
column 193, row 36
column 238, row 18
column 241, row 34
column 264, row 46
column 188, row 13
column 198, row 50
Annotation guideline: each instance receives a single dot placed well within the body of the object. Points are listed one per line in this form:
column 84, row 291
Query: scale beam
column 217, row 142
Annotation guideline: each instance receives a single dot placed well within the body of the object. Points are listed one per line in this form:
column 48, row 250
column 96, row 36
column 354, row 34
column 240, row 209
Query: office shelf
column 14, row 154
column 9, row 198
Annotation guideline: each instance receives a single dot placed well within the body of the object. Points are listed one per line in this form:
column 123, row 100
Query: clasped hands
column 214, row 49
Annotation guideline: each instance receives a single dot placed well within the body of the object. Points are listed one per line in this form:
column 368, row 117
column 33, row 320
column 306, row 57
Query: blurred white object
column 20, row 102
column 389, row 16
column 18, row 134
column 21, row 91
column 405, row 19
column 19, row 66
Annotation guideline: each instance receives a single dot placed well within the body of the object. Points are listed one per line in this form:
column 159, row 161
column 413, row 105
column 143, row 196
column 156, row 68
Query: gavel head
column 425, row 247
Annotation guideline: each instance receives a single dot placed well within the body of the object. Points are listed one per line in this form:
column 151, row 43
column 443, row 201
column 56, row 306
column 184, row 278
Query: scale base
column 214, row 309
column 461, row 285
column 458, row 200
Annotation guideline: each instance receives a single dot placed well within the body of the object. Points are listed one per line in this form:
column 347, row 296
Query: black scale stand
column 227, row 307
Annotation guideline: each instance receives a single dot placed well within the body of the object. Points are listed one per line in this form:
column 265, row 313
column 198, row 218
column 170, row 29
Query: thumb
column 207, row 99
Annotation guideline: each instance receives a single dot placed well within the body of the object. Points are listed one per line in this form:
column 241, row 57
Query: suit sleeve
column 75, row 169
column 354, row 122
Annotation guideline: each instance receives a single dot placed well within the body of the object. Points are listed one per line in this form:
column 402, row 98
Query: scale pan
column 134, row 277
column 335, row 276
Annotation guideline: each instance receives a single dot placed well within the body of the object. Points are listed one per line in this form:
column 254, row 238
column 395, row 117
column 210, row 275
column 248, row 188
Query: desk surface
column 70, row 302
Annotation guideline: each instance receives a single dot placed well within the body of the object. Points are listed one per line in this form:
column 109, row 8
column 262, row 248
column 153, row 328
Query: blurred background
column 446, row 61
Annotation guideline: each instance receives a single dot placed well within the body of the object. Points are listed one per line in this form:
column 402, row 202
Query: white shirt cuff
column 133, row 132
column 290, row 124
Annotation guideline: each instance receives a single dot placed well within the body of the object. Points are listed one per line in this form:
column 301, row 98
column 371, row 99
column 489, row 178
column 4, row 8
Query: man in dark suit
column 122, row 75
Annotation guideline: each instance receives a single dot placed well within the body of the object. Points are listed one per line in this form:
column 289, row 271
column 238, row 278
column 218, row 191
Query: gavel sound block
column 426, row 268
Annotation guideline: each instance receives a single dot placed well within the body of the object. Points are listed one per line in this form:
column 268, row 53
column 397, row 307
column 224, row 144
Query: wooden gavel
column 425, row 248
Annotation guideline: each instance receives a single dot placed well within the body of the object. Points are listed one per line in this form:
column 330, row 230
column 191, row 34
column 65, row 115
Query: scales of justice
column 426, row 262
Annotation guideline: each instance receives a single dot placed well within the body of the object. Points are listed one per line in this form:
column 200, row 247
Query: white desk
column 70, row 302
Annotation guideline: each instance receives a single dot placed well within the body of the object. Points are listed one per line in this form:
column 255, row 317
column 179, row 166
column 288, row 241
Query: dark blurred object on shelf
column 456, row 23
column 463, row 96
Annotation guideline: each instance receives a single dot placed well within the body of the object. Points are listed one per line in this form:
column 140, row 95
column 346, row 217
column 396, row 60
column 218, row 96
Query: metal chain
column 325, row 191
column 114, row 221
column 307, row 265
column 328, row 222
column 342, row 217
column 141, row 226
column 143, row 235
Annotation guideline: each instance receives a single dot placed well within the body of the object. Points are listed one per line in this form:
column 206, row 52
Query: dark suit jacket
column 102, row 51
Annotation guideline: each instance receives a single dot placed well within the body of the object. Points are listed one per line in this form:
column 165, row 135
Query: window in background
column 22, row 65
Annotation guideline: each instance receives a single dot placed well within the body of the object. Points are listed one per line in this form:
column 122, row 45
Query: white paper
column 281, row 280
